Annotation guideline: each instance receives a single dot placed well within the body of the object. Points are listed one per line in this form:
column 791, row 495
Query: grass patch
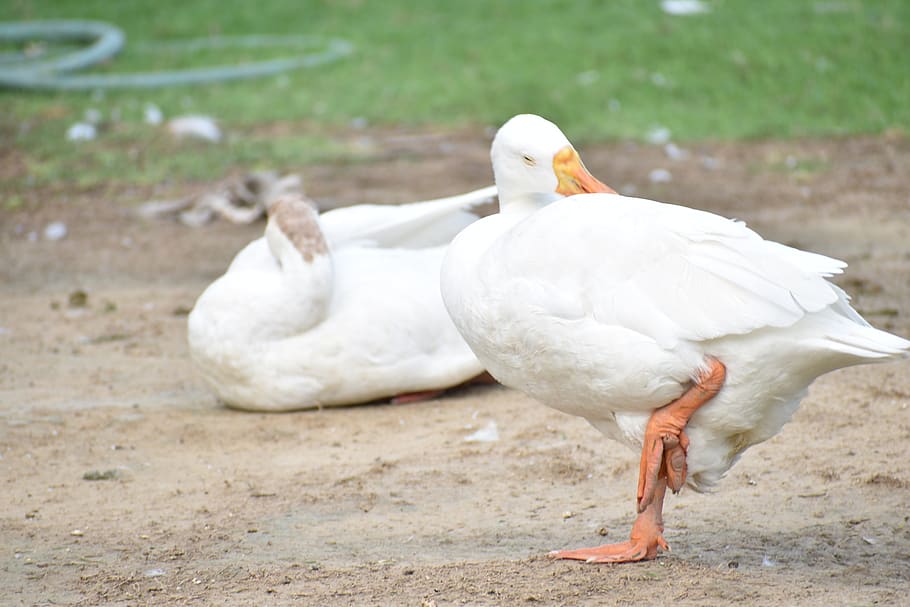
column 776, row 68
column 134, row 153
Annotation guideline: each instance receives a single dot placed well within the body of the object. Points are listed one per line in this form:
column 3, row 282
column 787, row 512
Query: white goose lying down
column 335, row 309
column 676, row 331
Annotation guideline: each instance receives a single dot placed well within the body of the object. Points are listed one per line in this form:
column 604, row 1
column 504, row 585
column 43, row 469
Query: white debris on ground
column 81, row 131
column 684, row 7
column 658, row 135
column 55, row 231
column 152, row 114
column 195, row 126
column 488, row 434
column 674, row 152
column 243, row 201
column 153, row 572
column 660, row 176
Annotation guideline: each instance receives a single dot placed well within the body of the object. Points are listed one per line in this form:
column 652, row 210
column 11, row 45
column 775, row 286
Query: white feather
column 416, row 225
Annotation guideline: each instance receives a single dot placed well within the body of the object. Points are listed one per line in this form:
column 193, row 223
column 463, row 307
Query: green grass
column 600, row 69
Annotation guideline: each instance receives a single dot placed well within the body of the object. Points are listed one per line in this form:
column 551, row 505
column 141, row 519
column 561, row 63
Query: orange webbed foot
column 630, row 551
column 644, row 543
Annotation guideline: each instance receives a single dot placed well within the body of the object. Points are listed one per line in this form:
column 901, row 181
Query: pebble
column 77, row 299
column 99, row 475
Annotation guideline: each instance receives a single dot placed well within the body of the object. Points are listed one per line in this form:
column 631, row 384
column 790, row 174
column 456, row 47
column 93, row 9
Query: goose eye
column 528, row 160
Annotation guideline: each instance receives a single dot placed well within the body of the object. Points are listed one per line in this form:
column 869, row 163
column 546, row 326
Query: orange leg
column 665, row 442
column 663, row 464
column 644, row 541
column 413, row 397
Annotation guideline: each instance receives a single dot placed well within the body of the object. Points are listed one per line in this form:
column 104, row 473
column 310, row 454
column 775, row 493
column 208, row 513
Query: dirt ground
column 124, row 482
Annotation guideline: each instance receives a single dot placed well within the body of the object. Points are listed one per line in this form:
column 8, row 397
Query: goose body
column 611, row 308
column 336, row 309
column 611, row 320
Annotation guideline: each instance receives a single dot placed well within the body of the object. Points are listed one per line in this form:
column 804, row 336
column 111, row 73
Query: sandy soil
column 125, row 483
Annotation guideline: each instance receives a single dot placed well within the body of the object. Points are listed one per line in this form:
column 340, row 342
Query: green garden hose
column 19, row 71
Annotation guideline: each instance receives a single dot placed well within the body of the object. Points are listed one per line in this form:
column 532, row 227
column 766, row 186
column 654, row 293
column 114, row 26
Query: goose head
column 534, row 164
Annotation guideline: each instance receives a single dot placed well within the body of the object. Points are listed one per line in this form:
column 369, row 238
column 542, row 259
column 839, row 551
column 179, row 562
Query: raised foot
column 665, row 445
column 630, row 551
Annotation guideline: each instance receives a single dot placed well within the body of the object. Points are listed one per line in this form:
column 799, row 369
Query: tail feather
column 868, row 343
column 848, row 332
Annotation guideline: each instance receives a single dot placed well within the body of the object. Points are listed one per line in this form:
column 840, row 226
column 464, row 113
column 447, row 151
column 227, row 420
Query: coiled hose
column 18, row 71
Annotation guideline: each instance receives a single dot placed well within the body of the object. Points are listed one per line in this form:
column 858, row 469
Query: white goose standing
column 335, row 309
column 676, row 331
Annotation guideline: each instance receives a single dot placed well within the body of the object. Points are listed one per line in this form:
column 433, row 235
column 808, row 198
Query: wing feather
column 422, row 224
column 666, row 271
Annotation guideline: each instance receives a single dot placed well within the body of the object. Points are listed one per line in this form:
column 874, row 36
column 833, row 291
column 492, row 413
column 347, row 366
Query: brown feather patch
column 297, row 218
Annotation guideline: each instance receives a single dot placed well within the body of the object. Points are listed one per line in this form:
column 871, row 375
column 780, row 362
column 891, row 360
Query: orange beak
column 573, row 177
